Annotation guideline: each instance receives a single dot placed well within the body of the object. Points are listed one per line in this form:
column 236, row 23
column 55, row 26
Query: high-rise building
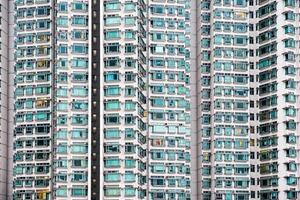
column 102, row 99
column 222, row 94
column 277, row 64
column 51, row 100
column 168, row 97
column 245, row 88
column 149, row 99
column 144, row 89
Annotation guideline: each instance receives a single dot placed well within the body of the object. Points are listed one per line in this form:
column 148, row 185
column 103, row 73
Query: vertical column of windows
column 169, row 147
column 71, row 106
column 278, row 86
column 124, row 99
column 32, row 154
column 224, row 69
column 253, row 104
column 267, row 89
column 205, row 43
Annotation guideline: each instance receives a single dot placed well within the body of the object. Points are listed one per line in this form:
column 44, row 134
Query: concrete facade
column 245, row 121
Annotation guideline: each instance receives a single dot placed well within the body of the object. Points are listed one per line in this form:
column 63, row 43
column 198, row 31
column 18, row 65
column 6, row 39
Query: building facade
column 245, row 94
column 51, row 100
column 101, row 100
column 278, row 90
column 168, row 99
column 149, row 99
column 223, row 91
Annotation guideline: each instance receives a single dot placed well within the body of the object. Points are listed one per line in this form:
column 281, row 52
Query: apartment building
column 245, row 93
column 102, row 99
column 150, row 99
column 51, row 100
